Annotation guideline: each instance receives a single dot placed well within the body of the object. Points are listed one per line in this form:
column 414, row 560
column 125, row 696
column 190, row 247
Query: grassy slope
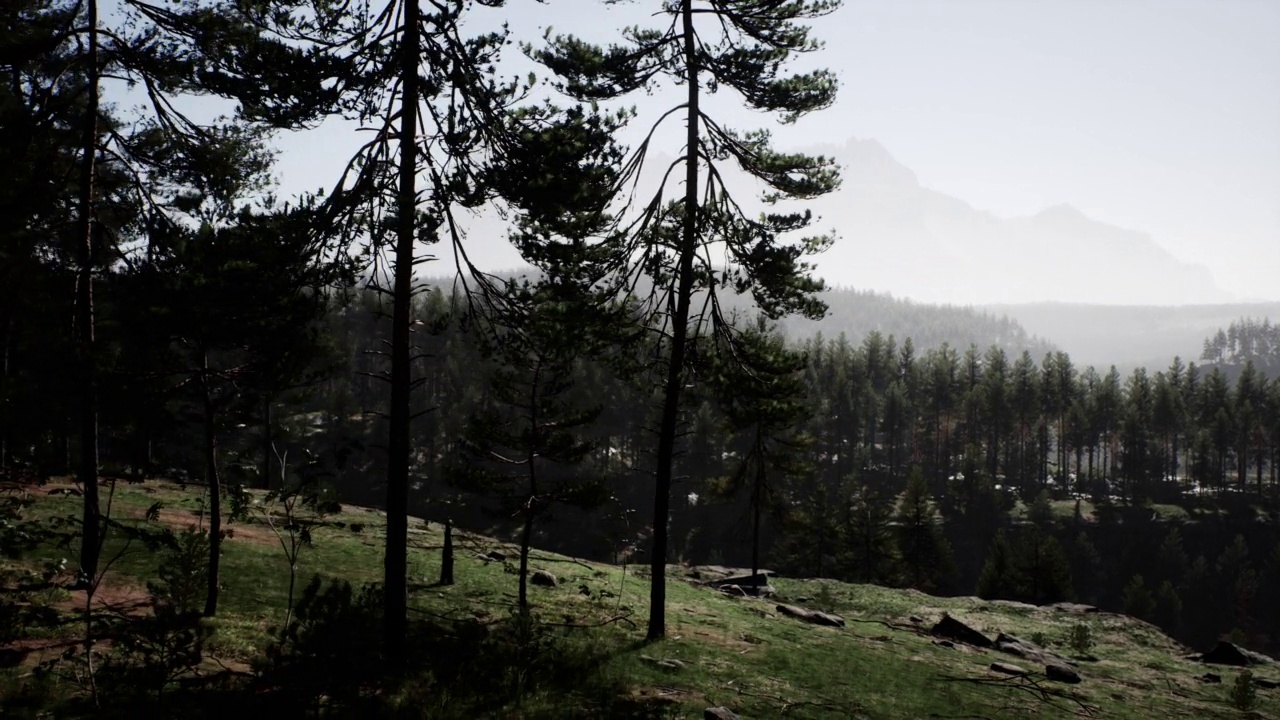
column 736, row 652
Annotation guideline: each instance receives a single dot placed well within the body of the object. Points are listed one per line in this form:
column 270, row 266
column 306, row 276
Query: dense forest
column 162, row 314
column 857, row 313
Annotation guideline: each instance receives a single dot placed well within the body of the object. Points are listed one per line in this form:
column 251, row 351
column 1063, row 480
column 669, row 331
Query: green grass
column 735, row 652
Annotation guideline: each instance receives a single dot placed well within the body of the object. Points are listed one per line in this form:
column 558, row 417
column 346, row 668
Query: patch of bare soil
column 251, row 532
column 114, row 595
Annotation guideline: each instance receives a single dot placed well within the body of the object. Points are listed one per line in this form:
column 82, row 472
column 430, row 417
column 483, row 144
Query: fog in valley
column 639, row 359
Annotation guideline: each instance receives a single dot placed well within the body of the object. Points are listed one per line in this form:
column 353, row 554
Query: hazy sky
column 1161, row 116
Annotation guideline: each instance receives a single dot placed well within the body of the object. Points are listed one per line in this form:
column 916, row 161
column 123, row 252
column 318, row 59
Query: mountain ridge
column 902, row 237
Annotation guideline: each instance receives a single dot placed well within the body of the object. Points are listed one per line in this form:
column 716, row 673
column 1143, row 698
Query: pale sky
column 1161, row 116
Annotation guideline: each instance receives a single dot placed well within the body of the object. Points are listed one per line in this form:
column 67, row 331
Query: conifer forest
column 651, row 393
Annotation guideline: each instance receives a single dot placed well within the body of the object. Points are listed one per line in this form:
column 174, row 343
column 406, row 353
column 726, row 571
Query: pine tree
column 925, row 554
column 743, row 45
column 1043, row 567
column 1000, row 578
column 524, row 446
column 759, row 389
column 870, row 555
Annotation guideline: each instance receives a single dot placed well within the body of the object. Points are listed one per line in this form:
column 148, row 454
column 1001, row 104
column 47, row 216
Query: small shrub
column 330, row 649
column 1080, row 639
column 1040, row 639
column 1243, row 694
column 182, row 576
column 824, row 599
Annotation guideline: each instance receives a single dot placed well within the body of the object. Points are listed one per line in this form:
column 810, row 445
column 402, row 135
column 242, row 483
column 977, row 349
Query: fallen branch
column 626, row 618
column 785, row 705
column 1032, row 686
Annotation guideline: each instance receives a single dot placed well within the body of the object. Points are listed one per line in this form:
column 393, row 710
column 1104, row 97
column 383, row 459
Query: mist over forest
column 765, row 424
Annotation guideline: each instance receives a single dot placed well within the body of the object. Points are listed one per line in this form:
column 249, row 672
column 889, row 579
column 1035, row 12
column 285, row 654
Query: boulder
column 719, row 713
column 761, row 578
column 952, row 629
column 811, row 616
column 543, row 578
column 496, row 555
column 672, row 665
column 1265, row 683
column 1211, row 678
column 1231, row 654
column 1027, row 650
column 944, row 643
column 1074, row 608
column 1061, row 673
column 1008, row 668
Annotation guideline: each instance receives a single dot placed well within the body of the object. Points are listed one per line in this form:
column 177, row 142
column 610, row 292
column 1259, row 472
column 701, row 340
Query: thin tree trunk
column 531, row 460
column 525, row 536
column 90, row 543
column 268, row 449
column 215, row 490
column 4, row 389
column 446, row 555
column 396, row 558
column 679, row 334
column 1258, row 472
column 756, row 504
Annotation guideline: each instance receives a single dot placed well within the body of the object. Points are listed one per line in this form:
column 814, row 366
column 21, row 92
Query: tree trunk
column 756, row 506
column 446, row 555
column 91, row 538
column 268, row 449
column 5, row 405
column 679, row 335
column 525, row 536
column 531, row 462
column 396, row 558
column 215, row 490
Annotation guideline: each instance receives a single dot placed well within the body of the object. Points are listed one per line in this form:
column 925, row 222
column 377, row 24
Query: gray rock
column 952, row 629
column 670, row 664
column 1265, row 683
column 543, row 578
column 719, row 713
column 733, row 591
column 1008, row 668
column 811, row 616
column 1074, row 608
column 761, row 578
column 1061, row 673
column 1027, row 650
column 1230, row 654
column 1211, row 678
column 496, row 555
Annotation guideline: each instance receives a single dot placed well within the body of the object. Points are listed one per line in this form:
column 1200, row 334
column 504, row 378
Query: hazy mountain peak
column 1063, row 213
column 899, row 237
column 867, row 162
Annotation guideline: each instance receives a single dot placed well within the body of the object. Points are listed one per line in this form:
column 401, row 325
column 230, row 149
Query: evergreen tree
column 870, row 550
column 742, row 45
column 1137, row 599
column 525, row 443
column 1043, row 568
column 925, row 554
column 762, row 396
column 1000, row 577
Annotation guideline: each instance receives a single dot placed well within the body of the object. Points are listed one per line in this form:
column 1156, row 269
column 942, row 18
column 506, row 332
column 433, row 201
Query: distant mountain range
column 899, row 237
column 1129, row 336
